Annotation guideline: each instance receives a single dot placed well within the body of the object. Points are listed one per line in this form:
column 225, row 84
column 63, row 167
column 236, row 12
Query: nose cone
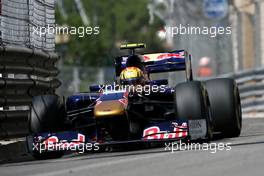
column 108, row 109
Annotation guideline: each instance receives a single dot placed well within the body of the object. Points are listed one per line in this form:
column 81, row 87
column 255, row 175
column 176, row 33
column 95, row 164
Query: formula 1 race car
column 136, row 108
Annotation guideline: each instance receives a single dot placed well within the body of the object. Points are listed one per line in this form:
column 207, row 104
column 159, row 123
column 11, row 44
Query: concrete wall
column 249, row 38
column 262, row 30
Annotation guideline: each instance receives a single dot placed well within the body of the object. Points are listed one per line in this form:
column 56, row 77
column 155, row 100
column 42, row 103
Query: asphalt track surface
column 245, row 158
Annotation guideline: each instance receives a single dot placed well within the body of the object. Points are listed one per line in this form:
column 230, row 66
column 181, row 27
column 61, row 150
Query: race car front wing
column 76, row 141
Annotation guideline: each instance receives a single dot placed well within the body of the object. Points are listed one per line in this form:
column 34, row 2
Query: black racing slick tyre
column 225, row 106
column 192, row 103
column 46, row 115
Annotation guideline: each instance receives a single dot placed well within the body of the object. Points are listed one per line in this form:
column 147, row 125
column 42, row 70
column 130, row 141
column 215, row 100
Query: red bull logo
column 154, row 133
column 54, row 144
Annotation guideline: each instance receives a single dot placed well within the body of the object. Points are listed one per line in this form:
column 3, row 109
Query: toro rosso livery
column 136, row 108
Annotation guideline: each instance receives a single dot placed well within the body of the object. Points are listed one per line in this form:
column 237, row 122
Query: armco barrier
column 251, row 87
column 24, row 73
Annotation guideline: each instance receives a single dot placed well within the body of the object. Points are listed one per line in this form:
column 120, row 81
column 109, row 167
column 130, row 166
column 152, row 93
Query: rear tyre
column 225, row 105
column 46, row 115
column 192, row 103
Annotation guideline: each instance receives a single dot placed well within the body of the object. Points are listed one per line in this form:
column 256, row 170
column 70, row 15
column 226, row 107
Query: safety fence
column 22, row 21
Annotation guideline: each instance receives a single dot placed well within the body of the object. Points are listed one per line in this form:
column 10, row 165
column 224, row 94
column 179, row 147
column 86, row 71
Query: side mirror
column 95, row 88
column 169, row 115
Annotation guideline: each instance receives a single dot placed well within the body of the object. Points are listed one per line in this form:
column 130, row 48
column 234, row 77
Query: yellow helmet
column 131, row 75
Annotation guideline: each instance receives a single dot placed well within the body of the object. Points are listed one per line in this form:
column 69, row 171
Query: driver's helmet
column 135, row 61
column 132, row 76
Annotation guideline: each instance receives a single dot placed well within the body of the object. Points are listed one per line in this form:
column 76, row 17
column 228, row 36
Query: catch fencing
column 22, row 21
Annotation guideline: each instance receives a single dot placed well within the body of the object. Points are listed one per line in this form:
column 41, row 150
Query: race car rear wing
column 178, row 60
column 165, row 62
column 133, row 47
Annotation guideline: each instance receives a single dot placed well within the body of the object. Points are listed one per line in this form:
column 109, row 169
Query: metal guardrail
column 24, row 73
column 251, row 87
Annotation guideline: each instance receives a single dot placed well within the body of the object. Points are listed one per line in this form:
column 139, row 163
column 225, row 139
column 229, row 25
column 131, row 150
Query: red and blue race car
column 136, row 108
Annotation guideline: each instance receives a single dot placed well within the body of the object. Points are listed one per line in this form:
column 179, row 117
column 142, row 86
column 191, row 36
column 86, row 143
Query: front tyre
column 192, row 103
column 47, row 114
